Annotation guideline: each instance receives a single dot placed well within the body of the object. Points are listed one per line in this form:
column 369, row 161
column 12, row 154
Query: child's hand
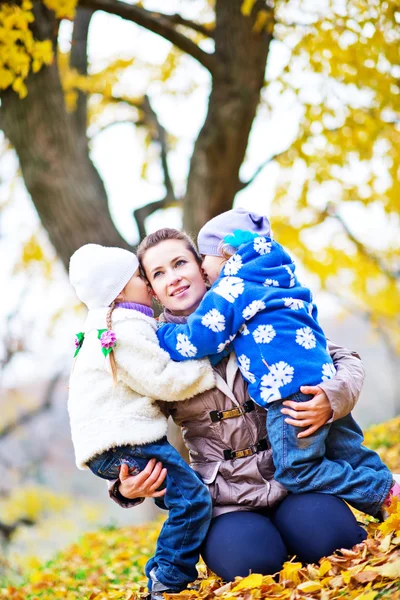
column 145, row 484
column 312, row 414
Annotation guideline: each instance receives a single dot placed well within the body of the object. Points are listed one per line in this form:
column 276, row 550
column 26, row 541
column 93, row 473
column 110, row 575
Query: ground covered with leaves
column 108, row 564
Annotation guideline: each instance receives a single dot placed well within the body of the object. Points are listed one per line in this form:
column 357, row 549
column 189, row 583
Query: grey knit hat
column 100, row 273
column 212, row 233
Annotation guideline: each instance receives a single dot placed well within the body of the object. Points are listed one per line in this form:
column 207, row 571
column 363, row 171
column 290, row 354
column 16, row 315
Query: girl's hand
column 312, row 414
column 145, row 484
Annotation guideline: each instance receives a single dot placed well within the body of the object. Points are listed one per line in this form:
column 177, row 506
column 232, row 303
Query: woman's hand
column 312, row 414
column 145, row 484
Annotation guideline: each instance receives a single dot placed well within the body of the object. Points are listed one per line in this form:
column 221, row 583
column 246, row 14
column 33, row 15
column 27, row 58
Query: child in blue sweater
column 257, row 304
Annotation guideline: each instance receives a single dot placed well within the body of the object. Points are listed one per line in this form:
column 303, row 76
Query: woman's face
column 175, row 276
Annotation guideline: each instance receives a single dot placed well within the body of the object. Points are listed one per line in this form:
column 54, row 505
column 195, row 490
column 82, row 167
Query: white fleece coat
column 103, row 416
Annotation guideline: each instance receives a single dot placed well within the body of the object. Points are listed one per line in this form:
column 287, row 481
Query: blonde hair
column 226, row 250
column 113, row 363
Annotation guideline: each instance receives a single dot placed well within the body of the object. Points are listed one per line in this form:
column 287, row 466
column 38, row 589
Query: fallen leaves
column 108, row 564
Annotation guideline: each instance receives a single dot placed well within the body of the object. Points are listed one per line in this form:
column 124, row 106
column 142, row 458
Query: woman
column 256, row 525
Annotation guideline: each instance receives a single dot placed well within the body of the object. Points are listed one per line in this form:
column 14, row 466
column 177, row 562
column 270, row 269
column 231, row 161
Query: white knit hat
column 99, row 274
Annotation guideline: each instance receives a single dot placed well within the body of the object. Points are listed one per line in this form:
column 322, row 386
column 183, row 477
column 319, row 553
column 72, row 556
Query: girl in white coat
column 119, row 373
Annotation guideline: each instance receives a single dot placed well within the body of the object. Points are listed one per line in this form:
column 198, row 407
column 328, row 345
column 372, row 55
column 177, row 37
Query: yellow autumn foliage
column 20, row 52
column 33, row 253
column 31, row 502
column 64, row 9
column 346, row 157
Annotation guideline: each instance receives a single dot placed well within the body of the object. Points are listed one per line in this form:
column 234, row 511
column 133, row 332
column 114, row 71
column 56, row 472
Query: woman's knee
column 241, row 542
column 314, row 525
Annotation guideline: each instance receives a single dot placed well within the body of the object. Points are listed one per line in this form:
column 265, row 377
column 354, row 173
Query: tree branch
column 79, row 61
column 158, row 134
column 244, row 184
column 7, row 531
column 155, row 22
column 179, row 20
column 143, row 212
column 331, row 211
column 28, row 416
column 113, row 123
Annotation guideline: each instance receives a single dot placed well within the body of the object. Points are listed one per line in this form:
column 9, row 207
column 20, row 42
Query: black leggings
column 309, row 526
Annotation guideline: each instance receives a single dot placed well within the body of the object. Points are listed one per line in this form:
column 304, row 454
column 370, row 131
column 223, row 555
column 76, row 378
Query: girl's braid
column 113, row 363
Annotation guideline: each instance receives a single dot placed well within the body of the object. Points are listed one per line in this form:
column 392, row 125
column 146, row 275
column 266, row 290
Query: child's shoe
column 158, row 589
column 394, row 491
column 157, row 595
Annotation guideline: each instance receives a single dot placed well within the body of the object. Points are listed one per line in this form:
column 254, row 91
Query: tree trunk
column 79, row 61
column 65, row 187
column 219, row 151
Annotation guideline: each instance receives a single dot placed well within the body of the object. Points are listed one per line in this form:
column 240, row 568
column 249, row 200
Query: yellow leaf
column 367, row 596
column 325, row 567
column 247, row 7
column 290, row 572
column 391, row 570
column 309, row 586
column 346, row 576
column 248, row 583
column 19, row 87
column 385, row 543
column 262, row 20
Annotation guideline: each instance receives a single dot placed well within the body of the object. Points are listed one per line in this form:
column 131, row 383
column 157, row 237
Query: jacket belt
column 254, row 449
column 220, row 415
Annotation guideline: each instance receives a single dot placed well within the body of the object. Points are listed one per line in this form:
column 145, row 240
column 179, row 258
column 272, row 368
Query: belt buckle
column 244, row 453
column 261, row 445
column 248, row 406
column 216, row 416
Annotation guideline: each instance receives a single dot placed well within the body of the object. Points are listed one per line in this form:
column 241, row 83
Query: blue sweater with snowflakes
column 258, row 306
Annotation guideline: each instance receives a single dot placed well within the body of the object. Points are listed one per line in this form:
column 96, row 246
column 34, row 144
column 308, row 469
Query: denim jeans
column 187, row 499
column 332, row 460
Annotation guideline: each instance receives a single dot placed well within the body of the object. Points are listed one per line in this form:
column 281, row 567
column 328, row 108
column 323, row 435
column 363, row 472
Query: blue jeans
column 309, row 526
column 187, row 499
column 332, row 460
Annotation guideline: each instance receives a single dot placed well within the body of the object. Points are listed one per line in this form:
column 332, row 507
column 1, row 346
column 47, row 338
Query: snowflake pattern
column 290, row 273
column 244, row 330
column 281, row 373
column 269, row 391
column 310, row 308
column 262, row 246
column 293, row 303
column 328, row 371
column 233, row 266
column 271, row 283
column 252, row 309
column 264, row 334
column 214, row 320
column 223, row 345
column 305, row 338
column 230, row 288
column 184, row 346
column 244, row 366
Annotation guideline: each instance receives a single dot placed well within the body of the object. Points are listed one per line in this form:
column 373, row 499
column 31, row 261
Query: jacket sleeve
column 115, row 495
column 212, row 326
column 344, row 389
column 149, row 370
